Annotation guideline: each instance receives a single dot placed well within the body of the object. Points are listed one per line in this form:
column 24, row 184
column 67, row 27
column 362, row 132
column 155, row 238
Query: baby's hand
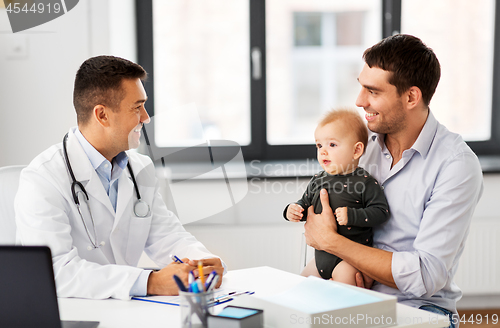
column 294, row 212
column 341, row 215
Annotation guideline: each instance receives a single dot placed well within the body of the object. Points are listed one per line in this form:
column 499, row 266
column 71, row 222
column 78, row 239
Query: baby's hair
column 349, row 117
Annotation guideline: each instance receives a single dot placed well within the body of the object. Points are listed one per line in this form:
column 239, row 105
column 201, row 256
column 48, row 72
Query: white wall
column 36, row 86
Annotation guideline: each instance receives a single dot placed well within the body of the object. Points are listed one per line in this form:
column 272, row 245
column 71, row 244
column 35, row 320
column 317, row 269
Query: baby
column 355, row 196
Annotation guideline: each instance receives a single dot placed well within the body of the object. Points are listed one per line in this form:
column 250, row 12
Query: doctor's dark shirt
column 432, row 193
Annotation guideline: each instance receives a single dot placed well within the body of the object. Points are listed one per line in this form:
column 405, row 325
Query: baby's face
column 335, row 144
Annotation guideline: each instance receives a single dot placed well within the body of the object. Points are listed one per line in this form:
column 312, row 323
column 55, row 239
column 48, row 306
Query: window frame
column 259, row 149
column 491, row 147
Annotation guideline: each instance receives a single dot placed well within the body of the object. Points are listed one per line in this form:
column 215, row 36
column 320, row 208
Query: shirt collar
column 424, row 139
column 426, row 136
column 121, row 160
column 95, row 157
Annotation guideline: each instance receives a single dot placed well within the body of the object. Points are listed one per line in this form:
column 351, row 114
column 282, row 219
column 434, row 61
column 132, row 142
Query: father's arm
column 444, row 226
column 321, row 233
column 443, row 229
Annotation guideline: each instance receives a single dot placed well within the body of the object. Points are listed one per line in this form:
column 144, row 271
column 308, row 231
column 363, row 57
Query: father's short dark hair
column 98, row 82
column 409, row 60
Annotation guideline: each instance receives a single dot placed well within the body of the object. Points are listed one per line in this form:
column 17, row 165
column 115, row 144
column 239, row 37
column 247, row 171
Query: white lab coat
column 47, row 215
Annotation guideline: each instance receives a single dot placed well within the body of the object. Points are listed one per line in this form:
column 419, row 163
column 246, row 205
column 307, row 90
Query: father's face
column 384, row 108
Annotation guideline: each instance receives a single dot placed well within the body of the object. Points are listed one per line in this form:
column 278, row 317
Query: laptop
column 28, row 291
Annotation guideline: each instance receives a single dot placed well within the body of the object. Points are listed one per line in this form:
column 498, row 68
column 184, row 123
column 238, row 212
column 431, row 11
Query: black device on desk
column 28, row 291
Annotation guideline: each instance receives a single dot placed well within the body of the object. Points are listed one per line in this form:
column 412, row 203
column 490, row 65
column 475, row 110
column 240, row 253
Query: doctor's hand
column 162, row 282
column 319, row 228
column 209, row 265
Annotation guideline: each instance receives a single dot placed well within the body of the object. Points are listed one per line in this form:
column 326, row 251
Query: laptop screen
column 27, row 289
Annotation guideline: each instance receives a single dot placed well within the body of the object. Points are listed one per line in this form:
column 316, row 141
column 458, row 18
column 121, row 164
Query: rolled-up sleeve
column 443, row 229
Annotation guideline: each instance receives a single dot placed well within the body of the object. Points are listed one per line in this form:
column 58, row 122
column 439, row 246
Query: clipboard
column 221, row 296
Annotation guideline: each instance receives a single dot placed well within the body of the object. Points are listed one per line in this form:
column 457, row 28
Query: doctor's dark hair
column 409, row 60
column 98, row 82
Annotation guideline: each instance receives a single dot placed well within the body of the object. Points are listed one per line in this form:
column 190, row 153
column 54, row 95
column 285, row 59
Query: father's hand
column 320, row 227
column 363, row 281
column 162, row 282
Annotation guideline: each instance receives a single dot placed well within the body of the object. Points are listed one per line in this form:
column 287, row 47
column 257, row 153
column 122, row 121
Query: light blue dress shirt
column 109, row 175
column 432, row 192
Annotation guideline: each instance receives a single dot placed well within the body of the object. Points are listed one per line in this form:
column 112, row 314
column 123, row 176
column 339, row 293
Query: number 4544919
column 36, row 8
column 477, row 319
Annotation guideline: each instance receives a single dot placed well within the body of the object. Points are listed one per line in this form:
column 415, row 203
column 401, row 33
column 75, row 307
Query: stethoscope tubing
column 74, row 193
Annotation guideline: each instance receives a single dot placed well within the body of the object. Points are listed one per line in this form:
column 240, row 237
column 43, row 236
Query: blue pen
column 175, row 258
column 214, row 283
column 210, row 278
column 194, row 287
column 179, row 283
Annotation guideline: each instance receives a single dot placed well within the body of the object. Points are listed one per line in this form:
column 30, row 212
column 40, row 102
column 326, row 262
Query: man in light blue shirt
column 431, row 178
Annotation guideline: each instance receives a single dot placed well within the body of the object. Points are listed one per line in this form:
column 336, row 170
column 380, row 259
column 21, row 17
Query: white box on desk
column 304, row 306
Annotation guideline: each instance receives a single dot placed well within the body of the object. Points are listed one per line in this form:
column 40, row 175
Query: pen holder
column 195, row 308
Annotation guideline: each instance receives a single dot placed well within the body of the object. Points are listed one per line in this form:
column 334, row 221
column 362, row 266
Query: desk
column 263, row 280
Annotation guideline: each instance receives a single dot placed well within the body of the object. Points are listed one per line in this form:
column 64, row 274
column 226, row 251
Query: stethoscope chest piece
column 141, row 209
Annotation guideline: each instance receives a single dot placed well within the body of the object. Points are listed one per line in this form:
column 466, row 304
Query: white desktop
column 263, row 280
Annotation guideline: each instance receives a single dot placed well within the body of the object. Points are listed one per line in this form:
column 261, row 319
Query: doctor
column 96, row 245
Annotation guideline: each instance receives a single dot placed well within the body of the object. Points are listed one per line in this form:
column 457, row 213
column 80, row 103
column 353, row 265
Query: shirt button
column 106, row 165
column 387, row 156
column 382, row 187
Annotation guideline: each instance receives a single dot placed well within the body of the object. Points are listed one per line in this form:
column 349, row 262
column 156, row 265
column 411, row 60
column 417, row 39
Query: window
column 202, row 78
column 462, row 36
column 314, row 51
column 262, row 72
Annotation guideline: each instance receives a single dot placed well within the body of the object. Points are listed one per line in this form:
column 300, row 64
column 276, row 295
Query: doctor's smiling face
column 109, row 102
column 125, row 122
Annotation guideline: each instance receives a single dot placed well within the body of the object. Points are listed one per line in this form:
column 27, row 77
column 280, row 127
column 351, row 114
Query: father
column 431, row 178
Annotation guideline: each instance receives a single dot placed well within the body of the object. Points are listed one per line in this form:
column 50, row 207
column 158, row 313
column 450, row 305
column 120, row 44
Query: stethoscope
column 141, row 208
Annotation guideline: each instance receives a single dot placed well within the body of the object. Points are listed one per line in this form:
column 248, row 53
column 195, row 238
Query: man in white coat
column 96, row 246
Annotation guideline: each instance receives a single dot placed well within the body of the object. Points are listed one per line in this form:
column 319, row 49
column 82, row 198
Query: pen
column 179, row 283
column 190, row 280
column 214, row 283
column 210, row 279
column 194, row 287
column 202, row 276
column 201, row 288
column 214, row 303
column 175, row 258
column 232, row 295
